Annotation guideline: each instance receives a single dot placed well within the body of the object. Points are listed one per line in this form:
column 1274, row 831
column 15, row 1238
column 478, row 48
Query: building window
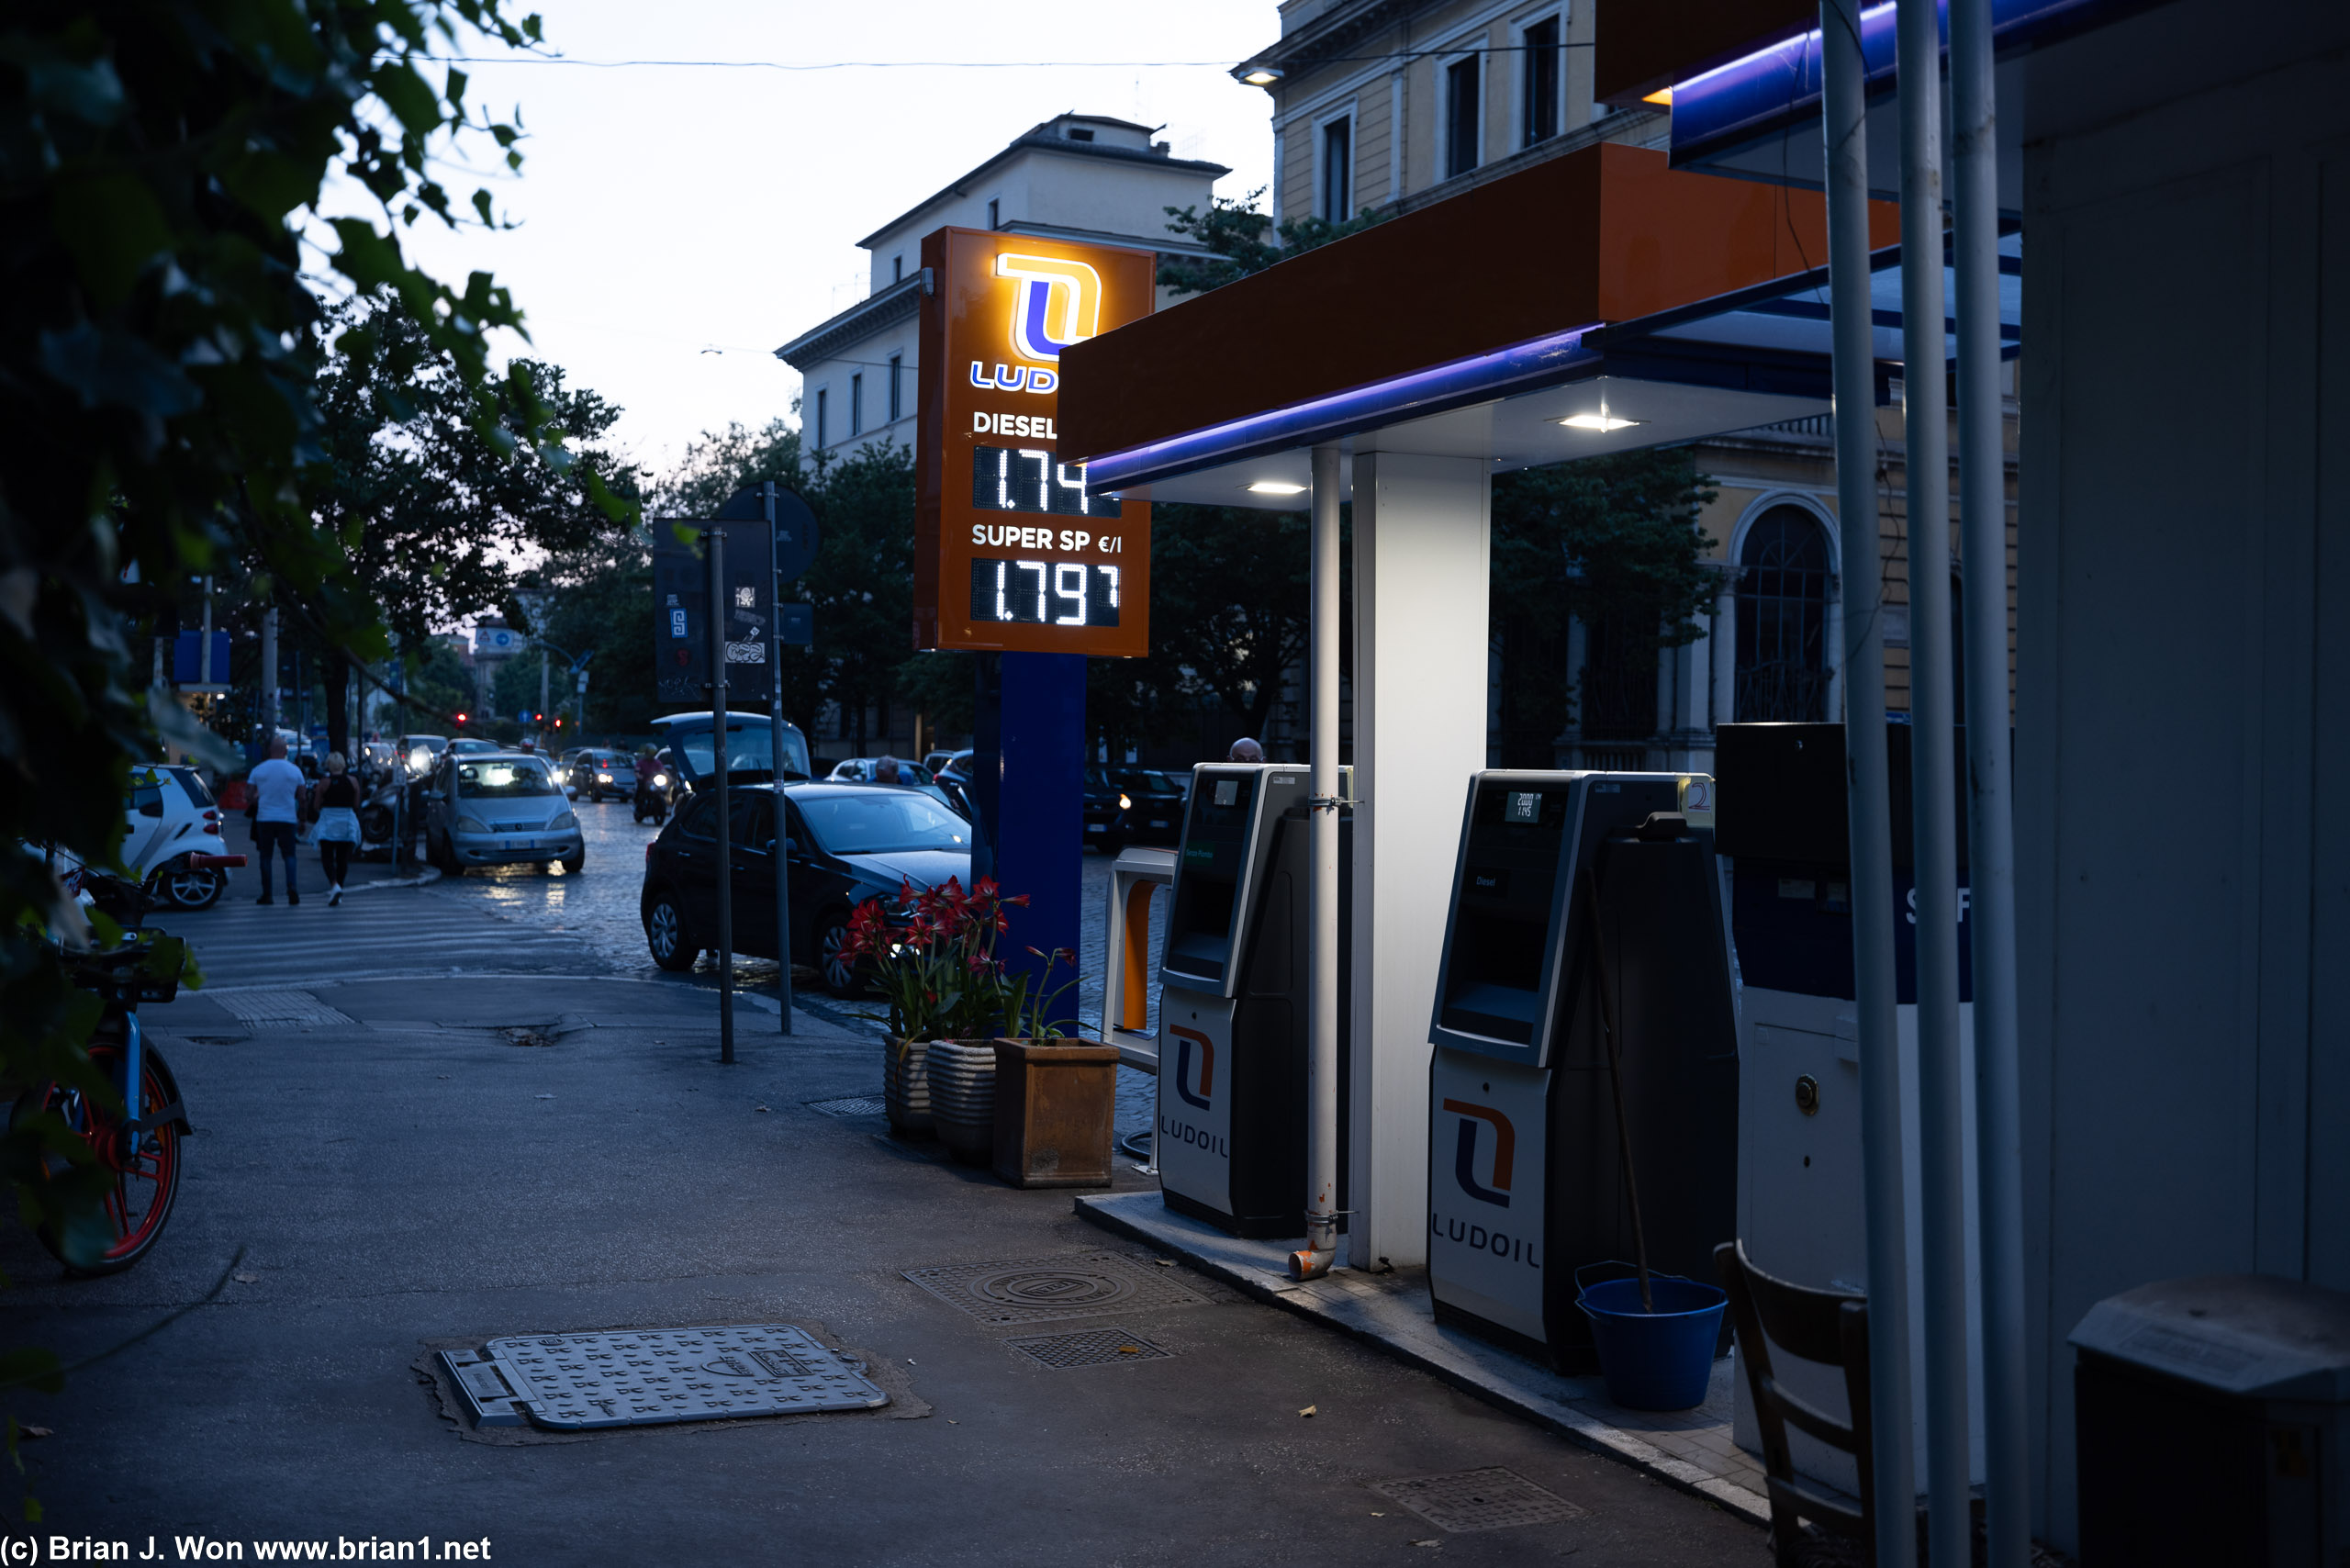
column 1460, row 117
column 1078, row 134
column 1337, row 169
column 823, row 434
column 1540, row 82
column 897, row 269
column 1783, row 619
column 857, row 404
column 896, row 388
column 995, row 212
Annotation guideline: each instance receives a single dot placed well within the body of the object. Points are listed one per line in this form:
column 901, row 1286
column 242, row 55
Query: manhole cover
column 851, row 1105
column 570, row 1381
column 278, row 1008
column 1089, row 1347
column 1478, row 1499
column 1086, row 1284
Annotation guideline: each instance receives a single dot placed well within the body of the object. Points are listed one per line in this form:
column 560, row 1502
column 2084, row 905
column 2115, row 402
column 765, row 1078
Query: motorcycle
column 652, row 799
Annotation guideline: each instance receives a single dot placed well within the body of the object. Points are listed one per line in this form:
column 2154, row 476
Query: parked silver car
column 498, row 809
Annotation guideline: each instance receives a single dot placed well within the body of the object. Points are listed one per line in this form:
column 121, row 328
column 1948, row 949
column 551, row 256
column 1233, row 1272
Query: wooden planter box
column 1056, row 1104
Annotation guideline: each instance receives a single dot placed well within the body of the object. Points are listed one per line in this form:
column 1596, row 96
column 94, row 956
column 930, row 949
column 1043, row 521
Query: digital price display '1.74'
column 1044, row 593
column 1027, row 479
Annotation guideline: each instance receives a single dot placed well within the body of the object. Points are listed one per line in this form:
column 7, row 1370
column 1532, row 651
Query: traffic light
column 461, row 718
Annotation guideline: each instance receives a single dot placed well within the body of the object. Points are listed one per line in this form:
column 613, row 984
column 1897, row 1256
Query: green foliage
column 158, row 161
column 1610, row 541
column 1228, row 606
column 1245, row 240
column 600, row 606
column 861, row 582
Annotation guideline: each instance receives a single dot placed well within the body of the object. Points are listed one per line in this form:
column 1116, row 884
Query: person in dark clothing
column 338, row 801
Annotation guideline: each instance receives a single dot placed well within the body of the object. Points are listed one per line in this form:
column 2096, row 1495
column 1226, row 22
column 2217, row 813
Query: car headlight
column 566, row 819
column 419, row 760
column 471, row 824
column 1124, row 804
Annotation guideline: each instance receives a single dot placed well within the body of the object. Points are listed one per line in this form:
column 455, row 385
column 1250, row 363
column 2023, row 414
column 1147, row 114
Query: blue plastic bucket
column 1660, row 1360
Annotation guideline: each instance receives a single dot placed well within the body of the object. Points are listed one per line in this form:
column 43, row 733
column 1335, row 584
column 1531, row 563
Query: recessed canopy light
column 1663, row 96
column 1263, row 76
column 1276, row 488
column 1600, row 422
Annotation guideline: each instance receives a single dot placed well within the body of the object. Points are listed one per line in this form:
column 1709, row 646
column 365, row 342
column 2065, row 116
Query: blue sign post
column 1028, row 767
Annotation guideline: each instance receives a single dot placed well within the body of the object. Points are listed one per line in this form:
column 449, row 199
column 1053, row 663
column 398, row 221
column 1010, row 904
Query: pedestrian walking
column 338, row 830
column 277, row 786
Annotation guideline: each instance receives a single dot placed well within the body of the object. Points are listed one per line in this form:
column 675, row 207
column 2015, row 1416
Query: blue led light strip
column 1482, row 378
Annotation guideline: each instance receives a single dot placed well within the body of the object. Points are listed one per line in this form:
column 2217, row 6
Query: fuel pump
column 1232, row 1005
column 1560, row 873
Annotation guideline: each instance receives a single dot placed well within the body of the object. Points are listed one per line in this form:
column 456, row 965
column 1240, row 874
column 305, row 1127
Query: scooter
column 652, row 799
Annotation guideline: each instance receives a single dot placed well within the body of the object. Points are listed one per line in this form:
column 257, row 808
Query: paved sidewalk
column 472, row 1157
column 1689, row 1449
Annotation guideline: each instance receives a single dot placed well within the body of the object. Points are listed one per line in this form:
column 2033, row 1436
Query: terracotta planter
column 905, row 1086
column 1056, row 1106
column 962, row 1098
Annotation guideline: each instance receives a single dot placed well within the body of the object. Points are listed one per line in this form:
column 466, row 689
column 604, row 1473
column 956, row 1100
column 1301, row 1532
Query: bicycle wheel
column 143, row 1169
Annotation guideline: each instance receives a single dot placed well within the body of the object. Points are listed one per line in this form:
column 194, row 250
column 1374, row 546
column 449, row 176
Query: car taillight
column 648, row 853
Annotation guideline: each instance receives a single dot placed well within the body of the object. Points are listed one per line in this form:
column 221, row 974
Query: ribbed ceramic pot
column 962, row 1097
column 905, row 1086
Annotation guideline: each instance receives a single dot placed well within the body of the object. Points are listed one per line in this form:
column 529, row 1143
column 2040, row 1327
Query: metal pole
column 1322, row 1008
column 1933, row 796
column 1991, row 837
column 542, row 692
column 1892, row 1501
column 268, row 679
column 716, row 538
column 203, row 649
column 782, row 855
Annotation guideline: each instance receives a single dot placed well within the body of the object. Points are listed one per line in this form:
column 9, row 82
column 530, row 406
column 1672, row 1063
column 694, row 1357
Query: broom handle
column 1615, row 1082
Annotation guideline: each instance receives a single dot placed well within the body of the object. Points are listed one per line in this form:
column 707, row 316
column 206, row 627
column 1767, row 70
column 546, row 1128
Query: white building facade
column 1084, row 178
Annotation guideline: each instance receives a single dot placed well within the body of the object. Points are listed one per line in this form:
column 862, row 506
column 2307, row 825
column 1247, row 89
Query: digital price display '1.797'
column 1044, row 593
column 1027, row 479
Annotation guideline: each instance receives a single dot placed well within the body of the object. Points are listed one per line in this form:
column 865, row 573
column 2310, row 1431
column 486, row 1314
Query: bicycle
column 135, row 1158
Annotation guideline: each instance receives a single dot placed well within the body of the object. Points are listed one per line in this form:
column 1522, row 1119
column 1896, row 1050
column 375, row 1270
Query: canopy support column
column 1322, row 1006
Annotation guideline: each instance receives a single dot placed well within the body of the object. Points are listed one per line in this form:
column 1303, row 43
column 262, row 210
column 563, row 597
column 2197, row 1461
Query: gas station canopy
column 1597, row 302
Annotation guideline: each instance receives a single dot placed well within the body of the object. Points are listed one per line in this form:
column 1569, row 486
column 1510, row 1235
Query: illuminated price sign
column 1030, row 479
column 1049, row 565
column 1044, row 593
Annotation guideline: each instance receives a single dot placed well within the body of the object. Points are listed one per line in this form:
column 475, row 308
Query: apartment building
column 1086, row 178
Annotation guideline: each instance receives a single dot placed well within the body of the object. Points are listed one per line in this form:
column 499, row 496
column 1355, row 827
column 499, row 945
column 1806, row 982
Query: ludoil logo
column 1056, row 303
column 1184, row 1040
column 1464, row 1161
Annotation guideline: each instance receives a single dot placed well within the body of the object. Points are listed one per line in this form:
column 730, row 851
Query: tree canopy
column 1245, row 240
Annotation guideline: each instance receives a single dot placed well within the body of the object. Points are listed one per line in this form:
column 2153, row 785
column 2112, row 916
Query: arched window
column 1783, row 618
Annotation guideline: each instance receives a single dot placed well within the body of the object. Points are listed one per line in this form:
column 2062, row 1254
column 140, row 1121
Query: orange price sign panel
column 1012, row 551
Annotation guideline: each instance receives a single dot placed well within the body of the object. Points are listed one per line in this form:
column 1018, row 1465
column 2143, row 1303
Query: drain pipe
column 1893, row 1502
column 1991, row 833
column 1941, row 1132
column 1322, row 1008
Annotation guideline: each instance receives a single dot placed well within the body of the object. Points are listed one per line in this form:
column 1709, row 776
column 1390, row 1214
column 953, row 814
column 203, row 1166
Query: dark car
column 602, row 774
column 1155, row 812
column 1106, row 805
column 849, row 842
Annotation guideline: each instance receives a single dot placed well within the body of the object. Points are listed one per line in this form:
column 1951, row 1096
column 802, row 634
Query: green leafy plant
column 933, row 958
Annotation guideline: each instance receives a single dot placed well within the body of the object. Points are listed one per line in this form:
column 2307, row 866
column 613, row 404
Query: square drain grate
column 278, row 1008
column 574, row 1381
column 1478, row 1499
column 1040, row 1290
column 849, row 1105
column 1089, row 1347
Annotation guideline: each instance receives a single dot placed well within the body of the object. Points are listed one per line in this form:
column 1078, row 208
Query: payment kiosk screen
column 1201, row 926
column 1501, row 925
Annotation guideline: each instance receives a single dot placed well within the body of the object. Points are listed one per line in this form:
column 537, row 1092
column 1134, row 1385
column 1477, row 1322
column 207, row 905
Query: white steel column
column 1322, row 1003
column 1423, row 548
column 1991, row 833
column 1941, row 1138
column 1893, row 1499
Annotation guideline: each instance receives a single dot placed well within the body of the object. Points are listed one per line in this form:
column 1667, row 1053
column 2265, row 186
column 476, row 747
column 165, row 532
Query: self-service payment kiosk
column 1560, row 873
column 1234, row 978
column 1801, row 1211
